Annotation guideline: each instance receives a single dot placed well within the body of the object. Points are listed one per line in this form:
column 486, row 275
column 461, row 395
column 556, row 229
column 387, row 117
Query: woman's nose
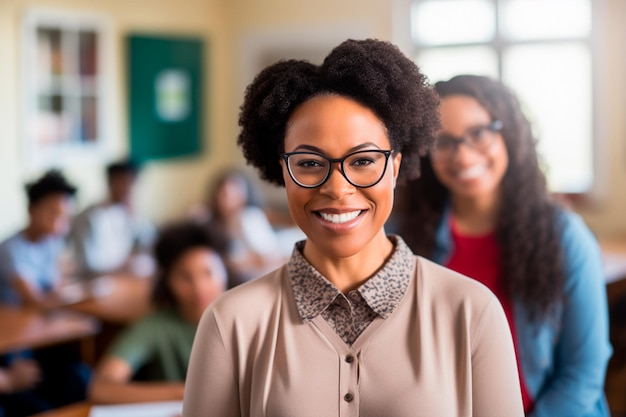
column 336, row 186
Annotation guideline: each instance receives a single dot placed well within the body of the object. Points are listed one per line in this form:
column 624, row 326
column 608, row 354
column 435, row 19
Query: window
column 65, row 96
column 541, row 49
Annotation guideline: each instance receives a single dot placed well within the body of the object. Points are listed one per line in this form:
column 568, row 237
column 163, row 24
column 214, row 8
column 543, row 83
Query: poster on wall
column 164, row 96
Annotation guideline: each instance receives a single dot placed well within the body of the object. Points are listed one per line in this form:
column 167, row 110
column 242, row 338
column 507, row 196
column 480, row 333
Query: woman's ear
column 396, row 161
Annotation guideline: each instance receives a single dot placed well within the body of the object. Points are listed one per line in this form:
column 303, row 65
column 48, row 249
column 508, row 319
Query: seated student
column 35, row 381
column 191, row 275
column 106, row 235
column 29, row 260
column 253, row 247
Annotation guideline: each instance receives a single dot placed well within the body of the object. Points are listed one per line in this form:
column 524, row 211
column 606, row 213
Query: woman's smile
column 339, row 218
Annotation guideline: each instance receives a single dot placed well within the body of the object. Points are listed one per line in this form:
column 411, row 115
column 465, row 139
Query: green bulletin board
column 165, row 96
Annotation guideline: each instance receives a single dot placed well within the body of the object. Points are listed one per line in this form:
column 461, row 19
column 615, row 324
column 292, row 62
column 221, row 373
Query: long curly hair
column 372, row 72
column 527, row 227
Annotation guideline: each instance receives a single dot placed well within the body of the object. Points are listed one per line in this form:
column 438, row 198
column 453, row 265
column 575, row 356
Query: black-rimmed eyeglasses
column 362, row 168
column 479, row 138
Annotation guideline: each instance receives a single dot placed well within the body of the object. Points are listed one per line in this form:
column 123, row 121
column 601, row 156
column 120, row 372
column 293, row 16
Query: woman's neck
column 475, row 216
column 349, row 273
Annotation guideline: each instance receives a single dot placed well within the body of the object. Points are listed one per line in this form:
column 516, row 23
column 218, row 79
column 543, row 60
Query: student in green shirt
column 148, row 361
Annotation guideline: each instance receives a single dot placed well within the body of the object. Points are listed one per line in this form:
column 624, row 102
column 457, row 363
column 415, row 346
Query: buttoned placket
column 349, row 383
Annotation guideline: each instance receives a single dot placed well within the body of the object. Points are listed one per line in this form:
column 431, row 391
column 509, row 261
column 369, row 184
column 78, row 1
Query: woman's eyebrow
column 320, row 151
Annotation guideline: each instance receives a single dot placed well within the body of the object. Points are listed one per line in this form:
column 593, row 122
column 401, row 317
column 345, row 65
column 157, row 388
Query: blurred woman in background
column 233, row 209
column 481, row 207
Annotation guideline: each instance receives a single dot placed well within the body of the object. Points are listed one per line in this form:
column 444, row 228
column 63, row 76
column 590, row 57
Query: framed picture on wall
column 67, row 87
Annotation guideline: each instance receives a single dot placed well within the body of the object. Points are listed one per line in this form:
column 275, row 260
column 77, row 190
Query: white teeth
column 471, row 173
column 340, row 218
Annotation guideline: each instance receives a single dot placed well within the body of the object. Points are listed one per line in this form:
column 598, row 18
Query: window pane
column 545, row 19
column 443, row 63
column 555, row 82
column 437, row 22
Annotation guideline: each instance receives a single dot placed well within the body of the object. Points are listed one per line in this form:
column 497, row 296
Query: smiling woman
column 354, row 323
column 483, row 209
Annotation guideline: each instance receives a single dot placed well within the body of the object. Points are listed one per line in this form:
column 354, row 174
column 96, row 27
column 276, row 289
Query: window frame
column 42, row 156
column 598, row 188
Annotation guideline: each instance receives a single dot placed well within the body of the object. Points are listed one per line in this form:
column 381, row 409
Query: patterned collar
column 383, row 292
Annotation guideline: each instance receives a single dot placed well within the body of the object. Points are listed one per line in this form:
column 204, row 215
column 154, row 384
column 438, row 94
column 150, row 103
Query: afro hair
column 374, row 73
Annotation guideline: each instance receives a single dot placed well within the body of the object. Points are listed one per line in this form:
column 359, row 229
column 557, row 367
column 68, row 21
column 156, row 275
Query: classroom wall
column 167, row 187
column 242, row 36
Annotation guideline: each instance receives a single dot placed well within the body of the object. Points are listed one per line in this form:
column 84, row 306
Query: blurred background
column 71, row 92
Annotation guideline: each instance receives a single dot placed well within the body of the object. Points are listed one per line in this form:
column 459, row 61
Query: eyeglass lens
column 363, row 168
column 479, row 138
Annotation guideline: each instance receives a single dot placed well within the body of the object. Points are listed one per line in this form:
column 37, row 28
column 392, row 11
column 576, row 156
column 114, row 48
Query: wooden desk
column 74, row 410
column 22, row 328
column 125, row 300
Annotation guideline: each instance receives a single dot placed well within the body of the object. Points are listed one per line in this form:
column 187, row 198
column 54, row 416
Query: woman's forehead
column 333, row 121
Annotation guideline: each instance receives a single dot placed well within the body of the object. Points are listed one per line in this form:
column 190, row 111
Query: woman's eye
column 309, row 163
column 361, row 162
column 477, row 134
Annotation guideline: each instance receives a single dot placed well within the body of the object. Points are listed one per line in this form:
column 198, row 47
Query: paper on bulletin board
column 158, row 409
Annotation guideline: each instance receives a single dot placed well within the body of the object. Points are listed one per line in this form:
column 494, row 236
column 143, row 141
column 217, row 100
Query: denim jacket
column 563, row 360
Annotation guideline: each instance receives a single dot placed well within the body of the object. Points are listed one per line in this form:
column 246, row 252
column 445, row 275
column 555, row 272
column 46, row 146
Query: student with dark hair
column 35, row 381
column 148, row 361
column 106, row 236
column 354, row 323
column 482, row 208
column 29, row 260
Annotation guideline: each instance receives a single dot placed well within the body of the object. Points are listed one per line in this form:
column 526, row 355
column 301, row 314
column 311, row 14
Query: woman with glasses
column 481, row 208
column 354, row 323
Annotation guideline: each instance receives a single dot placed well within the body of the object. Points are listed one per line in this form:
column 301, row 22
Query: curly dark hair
column 52, row 182
column 372, row 72
column 527, row 229
column 174, row 240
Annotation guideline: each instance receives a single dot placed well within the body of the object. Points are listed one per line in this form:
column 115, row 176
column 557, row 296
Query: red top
column 478, row 258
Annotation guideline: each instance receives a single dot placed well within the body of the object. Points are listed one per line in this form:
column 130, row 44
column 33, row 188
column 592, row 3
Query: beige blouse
column 445, row 350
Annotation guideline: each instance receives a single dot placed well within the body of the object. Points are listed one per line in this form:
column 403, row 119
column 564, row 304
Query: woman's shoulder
column 573, row 226
column 581, row 252
column 577, row 240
